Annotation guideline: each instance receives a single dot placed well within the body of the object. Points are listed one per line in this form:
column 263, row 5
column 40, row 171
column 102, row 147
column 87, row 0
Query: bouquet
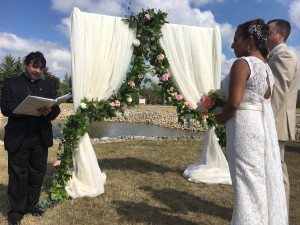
column 209, row 101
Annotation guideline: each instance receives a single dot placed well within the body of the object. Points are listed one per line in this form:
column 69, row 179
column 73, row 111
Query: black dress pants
column 26, row 170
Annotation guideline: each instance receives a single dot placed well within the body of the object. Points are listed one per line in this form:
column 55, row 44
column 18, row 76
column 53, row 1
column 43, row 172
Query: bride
column 252, row 146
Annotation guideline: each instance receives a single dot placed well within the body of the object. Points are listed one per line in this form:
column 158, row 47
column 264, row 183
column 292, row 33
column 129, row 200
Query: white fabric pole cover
column 212, row 167
column 101, row 49
column 194, row 54
column 84, row 175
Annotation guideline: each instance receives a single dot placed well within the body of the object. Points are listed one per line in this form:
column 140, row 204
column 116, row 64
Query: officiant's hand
column 44, row 111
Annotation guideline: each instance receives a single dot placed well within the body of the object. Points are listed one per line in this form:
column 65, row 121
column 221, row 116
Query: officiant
column 27, row 138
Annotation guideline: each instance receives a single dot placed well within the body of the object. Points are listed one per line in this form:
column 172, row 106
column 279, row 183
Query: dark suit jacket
column 14, row 91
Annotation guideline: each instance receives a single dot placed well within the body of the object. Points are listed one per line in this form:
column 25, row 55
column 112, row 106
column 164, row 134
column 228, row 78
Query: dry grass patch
column 145, row 186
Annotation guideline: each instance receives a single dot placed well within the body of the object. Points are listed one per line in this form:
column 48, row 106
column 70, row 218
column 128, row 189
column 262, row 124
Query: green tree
column 19, row 66
column 152, row 94
column 10, row 67
column 65, row 86
column 54, row 80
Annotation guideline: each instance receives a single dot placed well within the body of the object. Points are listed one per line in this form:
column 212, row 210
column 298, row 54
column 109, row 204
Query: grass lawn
column 145, row 186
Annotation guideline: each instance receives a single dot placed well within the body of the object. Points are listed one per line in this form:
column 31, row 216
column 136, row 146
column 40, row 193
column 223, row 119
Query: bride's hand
column 219, row 119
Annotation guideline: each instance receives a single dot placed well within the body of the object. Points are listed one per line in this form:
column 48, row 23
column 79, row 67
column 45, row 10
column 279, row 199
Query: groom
column 286, row 70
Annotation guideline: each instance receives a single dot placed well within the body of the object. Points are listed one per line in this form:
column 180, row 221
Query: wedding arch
column 186, row 60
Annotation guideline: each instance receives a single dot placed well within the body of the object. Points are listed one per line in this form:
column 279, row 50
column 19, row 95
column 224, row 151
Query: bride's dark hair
column 259, row 30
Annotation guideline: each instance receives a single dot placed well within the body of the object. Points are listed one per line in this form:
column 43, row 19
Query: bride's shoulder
column 240, row 64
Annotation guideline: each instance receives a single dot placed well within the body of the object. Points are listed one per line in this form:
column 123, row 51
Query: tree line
column 11, row 66
column 153, row 93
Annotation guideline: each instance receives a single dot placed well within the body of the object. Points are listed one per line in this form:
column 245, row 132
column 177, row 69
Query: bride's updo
column 259, row 31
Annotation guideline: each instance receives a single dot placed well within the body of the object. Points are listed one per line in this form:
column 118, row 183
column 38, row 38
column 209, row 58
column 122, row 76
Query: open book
column 30, row 104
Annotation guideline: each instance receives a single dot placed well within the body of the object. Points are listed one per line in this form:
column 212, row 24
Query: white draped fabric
column 194, row 54
column 101, row 49
column 212, row 167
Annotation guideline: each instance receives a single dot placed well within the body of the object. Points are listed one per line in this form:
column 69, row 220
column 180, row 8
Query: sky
column 43, row 25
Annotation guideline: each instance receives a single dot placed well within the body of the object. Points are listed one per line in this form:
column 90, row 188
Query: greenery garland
column 147, row 48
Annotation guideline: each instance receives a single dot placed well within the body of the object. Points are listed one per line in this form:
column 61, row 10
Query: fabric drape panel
column 194, row 54
column 212, row 168
column 101, row 49
column 101, row 52
column 216, row 57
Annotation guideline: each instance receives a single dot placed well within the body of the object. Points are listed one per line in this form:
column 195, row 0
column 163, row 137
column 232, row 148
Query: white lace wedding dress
column 253, row 154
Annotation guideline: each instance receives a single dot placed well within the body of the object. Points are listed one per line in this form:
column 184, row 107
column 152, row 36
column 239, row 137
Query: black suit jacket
column 14, row 91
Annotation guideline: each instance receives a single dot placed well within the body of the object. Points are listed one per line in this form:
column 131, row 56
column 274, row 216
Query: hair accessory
column 259, row 31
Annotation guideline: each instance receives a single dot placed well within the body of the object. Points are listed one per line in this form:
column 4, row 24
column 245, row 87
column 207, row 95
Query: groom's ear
column 282, row 34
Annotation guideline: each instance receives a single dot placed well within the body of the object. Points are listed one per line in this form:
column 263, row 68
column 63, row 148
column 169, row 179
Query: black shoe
column 14, row 221
column 36, row 211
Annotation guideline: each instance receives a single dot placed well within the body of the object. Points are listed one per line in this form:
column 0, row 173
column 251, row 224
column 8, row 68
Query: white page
column 30, row 104
column 63, row 98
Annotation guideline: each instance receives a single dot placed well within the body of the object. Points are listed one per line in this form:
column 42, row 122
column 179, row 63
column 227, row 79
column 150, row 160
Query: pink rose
column 206, row 101
column 147, row 16
column 165, row 77
column 179, row 97
column 191, row 106
column 57, row 163
column 131, row 83
column 160, row 57
column 117, row 103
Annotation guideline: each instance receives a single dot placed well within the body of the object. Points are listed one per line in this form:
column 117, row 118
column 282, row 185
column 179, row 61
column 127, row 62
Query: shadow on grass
column 4, row 201
column 147, row 214
column 293, row 146
column 130, row 163
column 183, row 202
column 177, row 202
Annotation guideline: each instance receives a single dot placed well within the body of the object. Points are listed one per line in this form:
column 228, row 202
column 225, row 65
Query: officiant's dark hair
column 259, row 30
column 35, row 58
